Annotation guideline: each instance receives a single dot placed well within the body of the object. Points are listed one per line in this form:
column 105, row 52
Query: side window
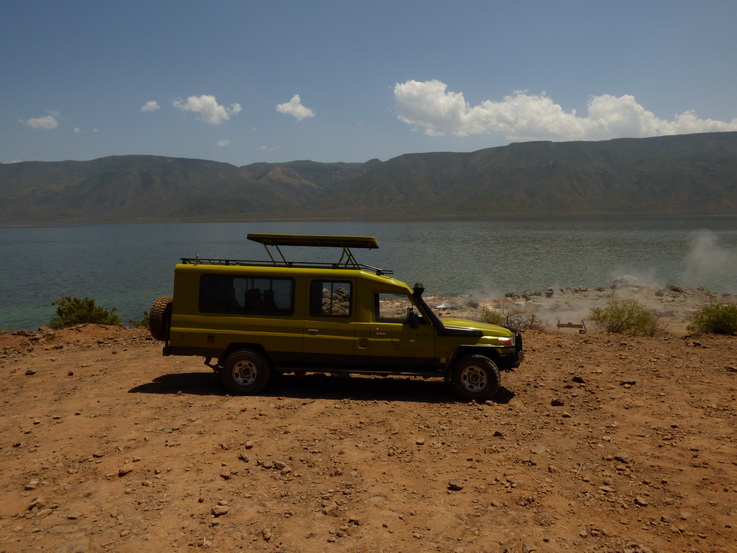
column 392, row 308
column 246, row 295
column 331, row 298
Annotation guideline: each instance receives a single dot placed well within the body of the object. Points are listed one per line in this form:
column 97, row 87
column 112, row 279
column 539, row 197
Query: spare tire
column 159, row 318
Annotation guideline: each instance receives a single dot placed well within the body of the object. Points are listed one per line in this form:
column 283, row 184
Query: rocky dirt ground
column 596, row 443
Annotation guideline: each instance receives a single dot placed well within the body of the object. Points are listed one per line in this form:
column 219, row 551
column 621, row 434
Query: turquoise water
column 127, row 266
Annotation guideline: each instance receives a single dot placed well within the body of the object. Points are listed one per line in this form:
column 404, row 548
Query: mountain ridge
column 674, row 174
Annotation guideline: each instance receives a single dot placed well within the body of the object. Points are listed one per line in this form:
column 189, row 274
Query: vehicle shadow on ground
column 319, row 386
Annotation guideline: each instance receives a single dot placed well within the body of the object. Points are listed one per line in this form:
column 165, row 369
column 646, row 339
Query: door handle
column 313, row 330
column 380, row 333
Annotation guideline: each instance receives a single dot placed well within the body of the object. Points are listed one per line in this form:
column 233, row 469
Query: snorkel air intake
column 417, row 291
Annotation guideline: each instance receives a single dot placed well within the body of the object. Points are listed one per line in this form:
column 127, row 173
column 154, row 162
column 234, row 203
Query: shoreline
column 673, row 305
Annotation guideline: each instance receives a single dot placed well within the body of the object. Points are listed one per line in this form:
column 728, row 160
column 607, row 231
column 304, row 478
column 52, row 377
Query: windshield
column 397, row 308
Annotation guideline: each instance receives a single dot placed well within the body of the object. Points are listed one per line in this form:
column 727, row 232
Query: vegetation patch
column 72, row 311
column 513, row 317
column 718, row 318
column 627, row 317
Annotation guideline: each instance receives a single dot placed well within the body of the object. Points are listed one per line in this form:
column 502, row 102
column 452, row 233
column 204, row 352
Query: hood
column 486, row 328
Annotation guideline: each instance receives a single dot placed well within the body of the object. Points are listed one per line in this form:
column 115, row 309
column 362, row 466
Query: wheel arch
column 463, row 351
column 237, row 346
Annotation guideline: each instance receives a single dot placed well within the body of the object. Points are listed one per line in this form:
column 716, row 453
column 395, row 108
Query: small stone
column 32, row 485
column 420, row 441
column 455, row 485
column 622, row 458
column 641, row 501
column 636, row 548
column 220, row 510
column 331, row 510
column 557, row 402
column 30, row 372
column 37, row 503
column 125, row 469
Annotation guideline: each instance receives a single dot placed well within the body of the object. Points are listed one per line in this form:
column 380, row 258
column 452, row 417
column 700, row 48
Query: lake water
column 127, row 266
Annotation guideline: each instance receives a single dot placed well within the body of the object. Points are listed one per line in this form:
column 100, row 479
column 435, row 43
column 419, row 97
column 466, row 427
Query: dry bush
column 513, row 317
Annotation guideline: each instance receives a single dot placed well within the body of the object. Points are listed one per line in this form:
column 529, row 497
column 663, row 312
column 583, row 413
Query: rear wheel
column 245, row 372
column 159, row 318
column 475, row 377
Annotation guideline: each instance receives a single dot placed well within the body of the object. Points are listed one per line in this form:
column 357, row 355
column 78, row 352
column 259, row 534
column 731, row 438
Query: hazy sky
column 270, row 80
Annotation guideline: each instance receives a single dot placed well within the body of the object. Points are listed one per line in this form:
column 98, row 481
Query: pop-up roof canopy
column 318, row 240
column 322, row 241
column 269, row 241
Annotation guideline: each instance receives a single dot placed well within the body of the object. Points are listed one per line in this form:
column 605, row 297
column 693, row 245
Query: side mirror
column 412, row 318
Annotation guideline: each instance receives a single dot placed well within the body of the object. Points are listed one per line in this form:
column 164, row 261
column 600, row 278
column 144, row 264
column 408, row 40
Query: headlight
column 506, row 341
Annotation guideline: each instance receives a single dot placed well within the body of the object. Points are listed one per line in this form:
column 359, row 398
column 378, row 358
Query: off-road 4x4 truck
column 252, row 319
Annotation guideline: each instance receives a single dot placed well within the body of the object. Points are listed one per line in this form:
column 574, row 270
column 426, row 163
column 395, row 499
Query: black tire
column 159, row 318
column 475, row 377
column 245, row 372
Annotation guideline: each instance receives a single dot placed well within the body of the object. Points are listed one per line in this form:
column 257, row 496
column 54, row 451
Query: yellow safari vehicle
column 251, row 319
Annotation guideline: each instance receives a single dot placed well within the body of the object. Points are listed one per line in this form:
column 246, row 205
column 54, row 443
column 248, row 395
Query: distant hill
column 676, row 174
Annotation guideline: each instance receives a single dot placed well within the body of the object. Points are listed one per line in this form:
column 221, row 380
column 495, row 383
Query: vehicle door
column 400, row 336
column 329, row 325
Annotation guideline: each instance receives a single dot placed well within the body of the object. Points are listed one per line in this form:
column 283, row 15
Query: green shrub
column 626, row 317
column 143, row 323
column 72, row 311
column 718, row 318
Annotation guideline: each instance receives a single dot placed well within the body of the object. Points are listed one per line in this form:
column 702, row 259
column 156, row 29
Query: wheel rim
column 474, row 378
column 244, row 372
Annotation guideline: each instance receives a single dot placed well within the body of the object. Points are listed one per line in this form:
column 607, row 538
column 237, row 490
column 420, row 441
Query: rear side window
column 330, row 298
column 246, row 295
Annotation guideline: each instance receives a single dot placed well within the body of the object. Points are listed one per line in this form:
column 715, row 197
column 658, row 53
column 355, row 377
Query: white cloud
column 223, row 143
column 523, row 116
column 207, row 108
column 47, row 122
column 295, row 108
column 151, row 105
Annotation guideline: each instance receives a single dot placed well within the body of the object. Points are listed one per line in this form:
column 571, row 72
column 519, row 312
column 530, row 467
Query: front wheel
column 475, row 377
column 245, row 372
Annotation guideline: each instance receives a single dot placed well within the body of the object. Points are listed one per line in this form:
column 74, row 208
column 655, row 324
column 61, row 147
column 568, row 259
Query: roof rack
column 346, row 261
